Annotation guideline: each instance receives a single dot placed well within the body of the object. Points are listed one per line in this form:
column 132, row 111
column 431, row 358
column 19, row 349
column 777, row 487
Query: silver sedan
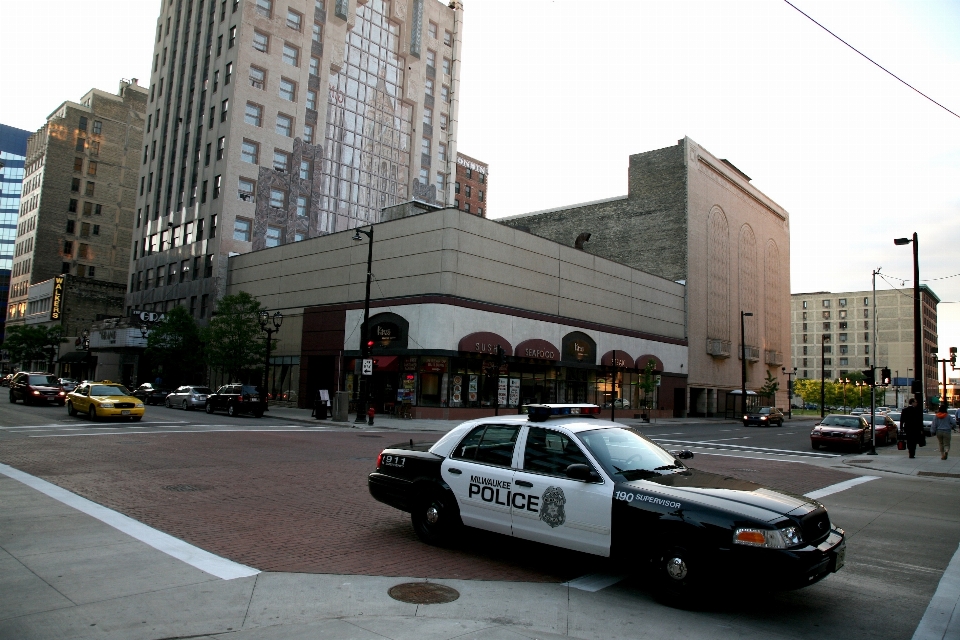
column 188, row 397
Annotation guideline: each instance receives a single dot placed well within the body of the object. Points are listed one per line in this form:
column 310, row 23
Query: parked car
column 885, row 427
column 842, row 431
column 619, row 403
column 895, row 416
column 5, row 380
column 188, row 397
column 928, row 423
column 858, row 411
column 150, row 394
column 764, row 417
column 36, row 388
column 68, row 384
column 104, row 399
column 235, row 399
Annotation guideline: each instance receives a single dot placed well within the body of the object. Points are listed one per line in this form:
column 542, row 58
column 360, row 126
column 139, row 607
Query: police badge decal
column 551, row 507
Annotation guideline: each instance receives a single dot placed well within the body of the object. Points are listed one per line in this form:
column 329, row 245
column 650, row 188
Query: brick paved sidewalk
column 298, row 501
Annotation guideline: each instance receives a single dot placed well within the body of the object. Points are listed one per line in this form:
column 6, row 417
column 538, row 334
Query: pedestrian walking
column 941, row 427
column 911, row 426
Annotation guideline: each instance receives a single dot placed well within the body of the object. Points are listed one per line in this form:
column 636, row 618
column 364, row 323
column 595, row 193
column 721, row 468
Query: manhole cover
column 187, row 487
column 423, row 593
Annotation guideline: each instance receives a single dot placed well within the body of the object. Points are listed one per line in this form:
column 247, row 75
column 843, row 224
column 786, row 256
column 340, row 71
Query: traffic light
column 953, row 357
column 868, row 376
column 885, row 377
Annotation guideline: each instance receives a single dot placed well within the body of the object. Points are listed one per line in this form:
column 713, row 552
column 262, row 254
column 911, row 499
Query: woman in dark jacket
column 911, row 425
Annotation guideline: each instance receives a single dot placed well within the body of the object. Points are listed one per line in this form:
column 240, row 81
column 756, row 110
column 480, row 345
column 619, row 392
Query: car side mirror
column 682, row 455
column 581, row 472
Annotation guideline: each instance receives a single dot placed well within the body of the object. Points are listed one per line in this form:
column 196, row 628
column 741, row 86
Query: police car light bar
column 540, row 412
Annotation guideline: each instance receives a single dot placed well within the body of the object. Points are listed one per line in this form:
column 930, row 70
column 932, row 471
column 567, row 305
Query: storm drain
column 938, row 475
column 187, row 487
column 423, row 593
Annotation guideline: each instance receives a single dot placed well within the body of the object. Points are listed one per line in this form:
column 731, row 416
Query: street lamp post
column 743, row 360
column 823, row 374
column 363, row 388
column 859, row 393
column 277, row 321
column 844, row 382
column 790, row 375
column 953, row 362
column 918, row 390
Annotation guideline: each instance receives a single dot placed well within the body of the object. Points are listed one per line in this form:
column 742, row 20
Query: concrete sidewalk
column 927, row 463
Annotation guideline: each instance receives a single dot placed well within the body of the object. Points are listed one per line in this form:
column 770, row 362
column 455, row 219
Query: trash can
column 341, row 403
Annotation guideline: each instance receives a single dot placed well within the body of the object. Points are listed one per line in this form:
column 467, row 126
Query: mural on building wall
column 288, row 198
column 748, row 283
column 718, row 276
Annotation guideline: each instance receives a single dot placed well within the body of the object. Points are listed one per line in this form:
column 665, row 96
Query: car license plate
column 125, row 412
column 840, row 559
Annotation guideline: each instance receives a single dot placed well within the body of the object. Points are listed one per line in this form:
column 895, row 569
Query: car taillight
column 379, row 459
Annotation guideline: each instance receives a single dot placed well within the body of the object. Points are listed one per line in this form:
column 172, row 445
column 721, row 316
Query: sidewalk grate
column 938, row 475
column 423, row 593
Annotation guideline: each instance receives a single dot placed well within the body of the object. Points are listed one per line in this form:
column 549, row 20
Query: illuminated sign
column 57, row 304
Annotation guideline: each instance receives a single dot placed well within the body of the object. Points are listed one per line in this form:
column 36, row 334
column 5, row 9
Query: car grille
column 124, row 405
column 815, row 526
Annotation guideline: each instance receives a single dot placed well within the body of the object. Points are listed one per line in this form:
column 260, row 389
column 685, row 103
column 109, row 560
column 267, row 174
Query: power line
column 871, row 60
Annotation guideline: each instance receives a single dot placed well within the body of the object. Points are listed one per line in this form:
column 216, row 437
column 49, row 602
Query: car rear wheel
column 435, row 519
column 208, row 408
column 231, row 410
column 70, row 410
column 184, row 405
column 92, row 412
column 168, row 404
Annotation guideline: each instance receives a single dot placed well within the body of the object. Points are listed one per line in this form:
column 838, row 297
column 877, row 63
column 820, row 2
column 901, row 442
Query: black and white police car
column 561, row 476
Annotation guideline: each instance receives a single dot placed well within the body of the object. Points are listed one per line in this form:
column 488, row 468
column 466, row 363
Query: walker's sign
column 56, row 306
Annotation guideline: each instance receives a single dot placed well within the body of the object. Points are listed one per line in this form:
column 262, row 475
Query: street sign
column 658, row 381
column 367, row 367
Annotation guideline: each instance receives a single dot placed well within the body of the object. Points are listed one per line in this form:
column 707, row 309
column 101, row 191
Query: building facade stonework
column 471, row 188
column 691, row 217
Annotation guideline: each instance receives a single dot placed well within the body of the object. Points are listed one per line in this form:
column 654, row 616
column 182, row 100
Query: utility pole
column 873, row 367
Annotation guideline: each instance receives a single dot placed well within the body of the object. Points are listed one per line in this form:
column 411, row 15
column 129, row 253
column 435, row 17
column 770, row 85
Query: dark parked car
column 235, row 399
column 150, row 394
column 885, row 427
column 764, row 417
column 841, row 430
column 39, row 388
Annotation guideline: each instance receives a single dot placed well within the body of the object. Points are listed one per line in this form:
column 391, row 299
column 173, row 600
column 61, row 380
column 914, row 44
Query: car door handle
column 523, row 483
column 455, row 471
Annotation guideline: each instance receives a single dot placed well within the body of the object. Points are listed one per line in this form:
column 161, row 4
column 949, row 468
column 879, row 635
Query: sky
column 556, row 94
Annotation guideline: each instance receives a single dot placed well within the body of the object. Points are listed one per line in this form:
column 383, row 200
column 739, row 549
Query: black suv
column 40, row 388
column 237, row 398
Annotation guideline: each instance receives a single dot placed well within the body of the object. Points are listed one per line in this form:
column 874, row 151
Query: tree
column 770, row 387
column 27, row 343
column 234, row 341
column 174, row 344
column 648, row 383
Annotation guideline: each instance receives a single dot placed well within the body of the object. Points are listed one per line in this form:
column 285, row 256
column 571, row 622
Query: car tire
column 136, row 418
column 231, row 410
column 13, row 398
column 208, row 408
column 815, row 446
column 70, row 410
column 258, row 414
column 92, row 413
column 436, row 519
column 168, row 404
column 677, row 576
column 184, row 405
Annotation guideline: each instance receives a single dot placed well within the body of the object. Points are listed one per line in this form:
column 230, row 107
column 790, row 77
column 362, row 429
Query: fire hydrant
column 370, row 414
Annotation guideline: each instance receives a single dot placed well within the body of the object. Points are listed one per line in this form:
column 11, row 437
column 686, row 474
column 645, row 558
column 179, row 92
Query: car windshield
column 764, row 411
column 249, row 389
column 202, row 390
column 879, row 420
column 624, row 452
column 108, row 390
column 48, row 381
column 841, row 421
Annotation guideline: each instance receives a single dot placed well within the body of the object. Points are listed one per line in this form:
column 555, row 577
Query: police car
column 561, row 476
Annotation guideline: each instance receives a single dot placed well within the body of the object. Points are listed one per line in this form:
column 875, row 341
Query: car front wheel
column 184, row 405
column 168, row 404
column 677, row 574
column 13, row 398
column 70, row 410
column 92, row 412
column 208, row 408
column 231, row 411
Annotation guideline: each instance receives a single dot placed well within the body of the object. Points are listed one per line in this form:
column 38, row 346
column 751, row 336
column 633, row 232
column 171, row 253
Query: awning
column 484, row 342
column 657, row 363
column 385, row 363
column 74, row 356
column 538, row 350
column 624, row 361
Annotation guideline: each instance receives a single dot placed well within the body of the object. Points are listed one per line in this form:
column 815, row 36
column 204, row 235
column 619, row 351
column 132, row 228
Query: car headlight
column 106, row 405
column 139, row 405
column 746, row 417
column 36, row 393
column 852, row 435
column 763, row 417
column 769, row 538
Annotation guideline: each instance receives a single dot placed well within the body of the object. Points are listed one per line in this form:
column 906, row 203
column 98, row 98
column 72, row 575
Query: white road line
column 194, row 556
column 150, row 433
column 724, row 439
column 942, row 617
column 594, row 582
column 840, row 486
column 757, row 449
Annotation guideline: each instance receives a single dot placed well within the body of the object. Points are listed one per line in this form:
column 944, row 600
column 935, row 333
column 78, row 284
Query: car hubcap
column 433, row 515
column 676, row 568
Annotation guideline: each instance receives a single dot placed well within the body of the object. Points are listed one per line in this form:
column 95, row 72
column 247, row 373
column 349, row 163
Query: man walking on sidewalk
column 941, row 428
column 911, row 424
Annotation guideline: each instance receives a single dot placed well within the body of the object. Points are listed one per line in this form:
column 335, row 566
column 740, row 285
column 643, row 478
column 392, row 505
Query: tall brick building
column 79, row 190
column 470, row 190
column 691, row 217
column 272, row 122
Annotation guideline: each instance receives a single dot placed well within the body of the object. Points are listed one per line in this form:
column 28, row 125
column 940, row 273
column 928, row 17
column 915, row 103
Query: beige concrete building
column 79, row 191
column 449, row 287
column 272, row 122
column 694, row 218
column 846, row 323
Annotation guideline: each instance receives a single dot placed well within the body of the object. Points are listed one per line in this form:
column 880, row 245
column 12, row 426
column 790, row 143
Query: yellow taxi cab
column 104, row 399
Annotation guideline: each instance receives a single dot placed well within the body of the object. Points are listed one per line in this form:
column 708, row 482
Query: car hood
column 830, row 427
column 725, row 492
column 115, row 399
column 44, row 387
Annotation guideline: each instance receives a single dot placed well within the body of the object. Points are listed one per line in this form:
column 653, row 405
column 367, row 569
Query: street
column 288, row 498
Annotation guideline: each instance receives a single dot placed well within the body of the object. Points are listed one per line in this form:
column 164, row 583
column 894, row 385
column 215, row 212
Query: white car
column 188, row 397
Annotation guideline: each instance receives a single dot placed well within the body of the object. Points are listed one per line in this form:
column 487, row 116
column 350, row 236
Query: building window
column 843, row 348
column 258, row 78
column 866, row 348
column 431, row 60
column 250, row 152
column 804, row 362
column 804, row 351
column 78, row 164
column 224, row 108
column 826, row 315
column 428, row 116
column 96, row 229
column 480, row 195
column 216, row 186
column 203, row 305
column 291, row 55
column 312, row 100
column 75, row 184
column 261, row 41
column 456, row 187
column 233, row 37
column 805, row 337
column 425, row 146
column 281, row 161
column 442, row 152
column 297, row 237
column 241, row 229
column 82, row 126
column 284, row 125
column 827, row 362
column 866, row 302
column 305, row 170
column 479, row 211
column 842, row 302
column 843, row 337
column 447, row 38
column 221, row 145
column 148, row 280
column 314, row 66
column 302, row 206
column 804, row 304
column 294, row 20
column 213, row 226
column 443, row 122
column 171, row 273
column 90, row 189
column 245, row 190
column 866, row 324
column 253, row 114
column 264, row 8
column 317, row 33
column 441, row 186
column 428, row 87
column 72, row 206
column 67, row 248
column 469, row 173
column 432, row 30
column 273, row 237
column 193, row 304
column 278, row 198
column 308, row 133
column 208, row 265
column 70, row 226
column 445, row 93
column 826, row 326
column 842, row 325
column 216, row 79
column 843, row 313
column 288, row 90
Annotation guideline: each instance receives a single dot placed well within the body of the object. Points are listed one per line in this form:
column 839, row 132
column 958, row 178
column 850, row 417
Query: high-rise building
column 79, row 189
column 13, row 152
column 844, row 325
column 470, row 190
column 269, row 123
